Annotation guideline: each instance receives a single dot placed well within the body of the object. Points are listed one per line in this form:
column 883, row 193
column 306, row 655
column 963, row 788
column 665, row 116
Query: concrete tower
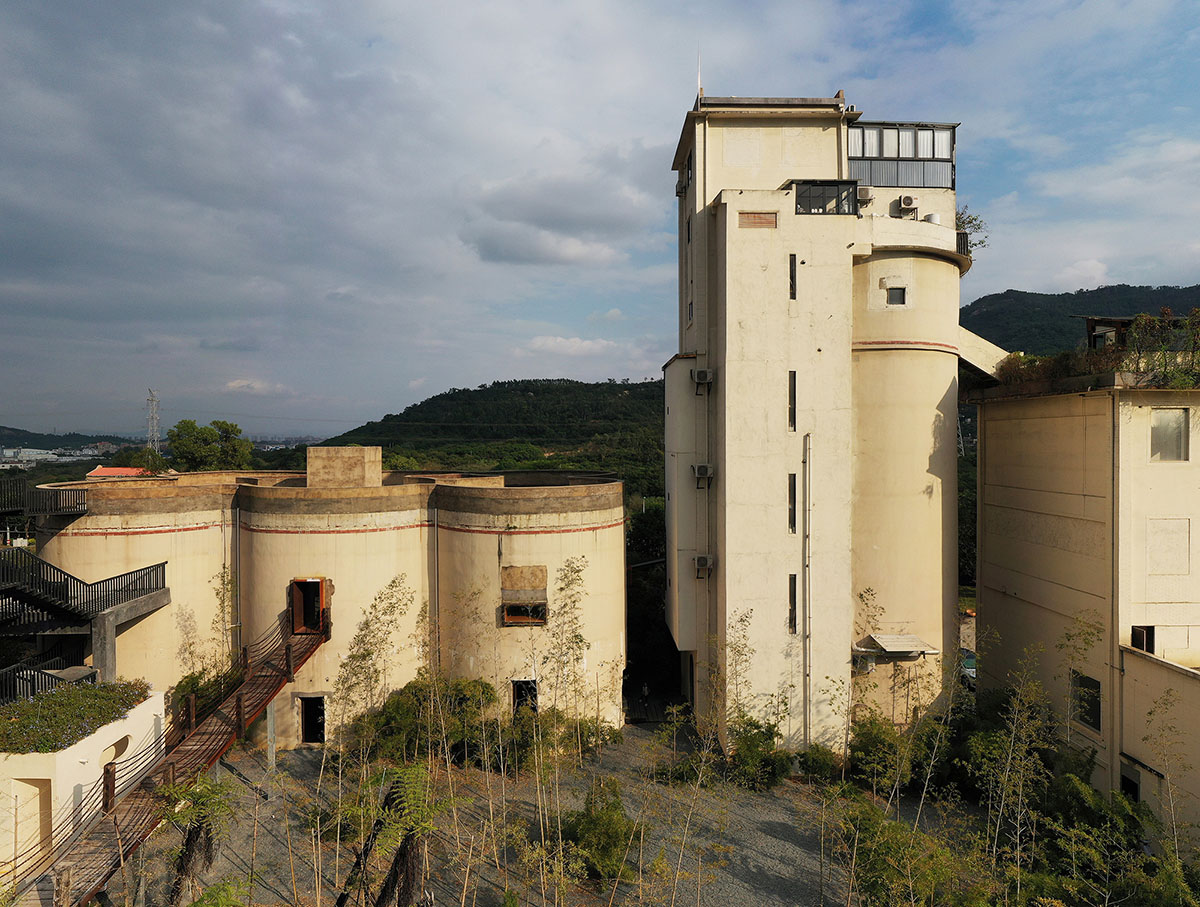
column 811, row 409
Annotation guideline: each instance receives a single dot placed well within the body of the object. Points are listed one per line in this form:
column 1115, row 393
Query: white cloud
column 255, row 387
column 416, row 383
column 613, row 314
column 572, row 346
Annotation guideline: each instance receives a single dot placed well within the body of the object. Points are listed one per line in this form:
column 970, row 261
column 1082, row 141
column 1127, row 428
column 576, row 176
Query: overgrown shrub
column 754, row 761
column 877, row 753
column 63, row 716
column 602, row 830
column 819, row 763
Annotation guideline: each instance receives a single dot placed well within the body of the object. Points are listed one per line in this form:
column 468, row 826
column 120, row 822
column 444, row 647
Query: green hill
column 1041, row 322
column 613, row 426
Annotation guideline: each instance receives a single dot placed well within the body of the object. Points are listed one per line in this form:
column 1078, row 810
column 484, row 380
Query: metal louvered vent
column 769, row 219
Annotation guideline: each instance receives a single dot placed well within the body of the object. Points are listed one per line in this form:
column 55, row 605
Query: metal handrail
column 18, row 495
column 62, row 591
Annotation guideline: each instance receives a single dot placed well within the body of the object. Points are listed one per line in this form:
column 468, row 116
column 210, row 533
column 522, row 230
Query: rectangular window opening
column 1168, row 434
column 791, row 277
column 897, row 296
column 524, row 614
column 1142, row 638
column 308, row 601
column 524, row 695
column 792, row 503
column 312, row 719
column 791, row 401
column 792, row 603
column 826, row 197
column 1085, row 692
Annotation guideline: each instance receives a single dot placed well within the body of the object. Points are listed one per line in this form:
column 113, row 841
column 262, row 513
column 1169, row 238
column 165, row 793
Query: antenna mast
column 152, row 427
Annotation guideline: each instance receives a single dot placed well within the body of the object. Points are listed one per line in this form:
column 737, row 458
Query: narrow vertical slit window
column 792, row 503
column 791, row 401
column 791, row 277
column 792, row 603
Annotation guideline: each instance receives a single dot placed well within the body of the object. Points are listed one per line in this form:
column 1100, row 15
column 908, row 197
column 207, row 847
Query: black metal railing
column 18, row 496
column 29, row 584
column 964, row 243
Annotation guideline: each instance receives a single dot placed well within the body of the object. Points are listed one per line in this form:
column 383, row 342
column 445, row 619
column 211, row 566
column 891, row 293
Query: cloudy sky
column 303, row 215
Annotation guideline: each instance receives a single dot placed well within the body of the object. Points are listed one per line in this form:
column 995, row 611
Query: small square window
column 1142, row 638
column 1168, row 434
column 897, row 296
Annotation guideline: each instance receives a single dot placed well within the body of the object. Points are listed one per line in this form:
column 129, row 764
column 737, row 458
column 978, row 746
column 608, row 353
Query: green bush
column 876, row 753
column 820, row 763
column 602, row 830
column 754, row 761
column 63, row 716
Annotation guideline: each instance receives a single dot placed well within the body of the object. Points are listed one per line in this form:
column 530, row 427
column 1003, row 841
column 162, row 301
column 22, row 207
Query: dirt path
column 748, row 848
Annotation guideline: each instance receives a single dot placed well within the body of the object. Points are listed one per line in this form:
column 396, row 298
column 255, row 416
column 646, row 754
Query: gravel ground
column 741, row 847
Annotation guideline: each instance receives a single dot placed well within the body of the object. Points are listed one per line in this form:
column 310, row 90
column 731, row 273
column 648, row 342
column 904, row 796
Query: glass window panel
column 908, row 141
column 884, row 173
column 1168, row 434
column 856, row 141
column 861, row 171
column 891, row 142
column 939, row 174
column 871, row 139
column 910, row 173
column 925, row 143
column 943, row 143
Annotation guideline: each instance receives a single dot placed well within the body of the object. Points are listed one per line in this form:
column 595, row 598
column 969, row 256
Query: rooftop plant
column 63, row 716
column 1161, row 350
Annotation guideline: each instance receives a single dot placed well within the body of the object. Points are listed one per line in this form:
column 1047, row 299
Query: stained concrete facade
column 353, row 528
column 1081, row 519
column 811, row 409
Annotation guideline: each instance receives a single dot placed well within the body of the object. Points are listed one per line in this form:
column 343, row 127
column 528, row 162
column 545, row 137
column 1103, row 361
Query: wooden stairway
column 131, row 806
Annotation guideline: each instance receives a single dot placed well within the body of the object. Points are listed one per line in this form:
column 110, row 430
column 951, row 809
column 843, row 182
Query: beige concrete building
column 482, row 557
column 811, row 409
column 1088, row 489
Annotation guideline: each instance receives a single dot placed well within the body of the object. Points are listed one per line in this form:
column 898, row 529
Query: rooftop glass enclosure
column 910, row 155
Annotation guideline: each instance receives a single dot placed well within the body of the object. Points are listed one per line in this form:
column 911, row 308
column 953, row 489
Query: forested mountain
column 614, row 426
column 1041, row 322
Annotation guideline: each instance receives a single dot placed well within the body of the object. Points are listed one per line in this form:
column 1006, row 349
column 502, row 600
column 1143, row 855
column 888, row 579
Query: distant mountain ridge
column 1041, row 323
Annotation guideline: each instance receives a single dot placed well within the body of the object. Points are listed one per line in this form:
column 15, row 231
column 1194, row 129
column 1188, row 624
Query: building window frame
column 1087, row 698
column 826, row 196
column 792, row 503
column 897, row 297
column 1169, row 443
column 1142, row 638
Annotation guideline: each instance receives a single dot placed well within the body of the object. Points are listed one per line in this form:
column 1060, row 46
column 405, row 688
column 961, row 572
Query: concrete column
column 104, row 646
column 271, row 736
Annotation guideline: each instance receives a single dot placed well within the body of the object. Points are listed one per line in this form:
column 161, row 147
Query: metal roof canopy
column 895, row 644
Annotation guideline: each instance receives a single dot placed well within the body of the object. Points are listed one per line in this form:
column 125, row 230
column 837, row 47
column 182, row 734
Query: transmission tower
column 152, row 426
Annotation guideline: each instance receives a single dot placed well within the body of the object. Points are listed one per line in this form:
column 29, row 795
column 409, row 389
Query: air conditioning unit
column 908, row 202
column 704, row 470
column 703, row 375
column 866, row 193
column 704, row 563
column 681, row 189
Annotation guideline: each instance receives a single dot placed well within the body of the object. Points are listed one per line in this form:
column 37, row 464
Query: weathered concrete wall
column 345, row 467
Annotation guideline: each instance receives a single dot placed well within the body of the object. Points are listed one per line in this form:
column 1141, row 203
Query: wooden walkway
column 83, row 864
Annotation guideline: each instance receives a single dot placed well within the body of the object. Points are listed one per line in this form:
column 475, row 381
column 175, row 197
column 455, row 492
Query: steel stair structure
column 19, row 498
column 90, row 842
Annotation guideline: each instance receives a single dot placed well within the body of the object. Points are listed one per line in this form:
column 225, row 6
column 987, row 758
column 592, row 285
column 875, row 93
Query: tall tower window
column 792, row 503
column 791, row 277
column 791, row 401
column 792, row 603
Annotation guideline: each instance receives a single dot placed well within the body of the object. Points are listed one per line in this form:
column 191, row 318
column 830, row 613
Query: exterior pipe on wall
column 806, row 585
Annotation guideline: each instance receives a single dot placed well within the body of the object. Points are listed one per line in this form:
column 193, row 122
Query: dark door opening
column 308, row 600
column 525, row 694
column 312, row 719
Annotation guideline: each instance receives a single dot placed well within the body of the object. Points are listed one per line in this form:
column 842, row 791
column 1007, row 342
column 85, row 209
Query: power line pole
column 152, row 427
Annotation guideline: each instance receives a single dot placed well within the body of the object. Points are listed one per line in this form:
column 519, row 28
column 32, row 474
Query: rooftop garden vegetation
column 1160, row 350
column 63, row 716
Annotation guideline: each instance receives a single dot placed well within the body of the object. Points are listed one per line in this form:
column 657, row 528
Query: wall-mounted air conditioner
column 704, row 565
column 704, row 470
column 703, row 375
column 866, row 193
column 908, row 202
